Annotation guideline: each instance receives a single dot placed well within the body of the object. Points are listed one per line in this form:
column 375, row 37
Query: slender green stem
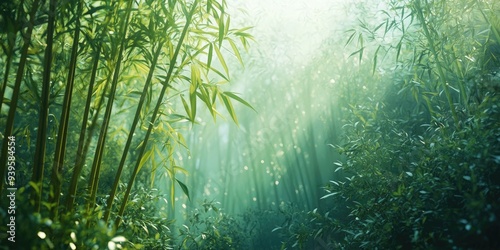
column 10, row 49
column 56, row 178
column 93, row 181
column 15, row 94
column 131, row 132
column 81, row 150
column 166, row 84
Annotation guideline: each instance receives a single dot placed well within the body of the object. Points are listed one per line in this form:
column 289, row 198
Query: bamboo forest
column 231, row 124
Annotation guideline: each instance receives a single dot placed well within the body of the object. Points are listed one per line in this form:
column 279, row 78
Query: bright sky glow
column 289, row 31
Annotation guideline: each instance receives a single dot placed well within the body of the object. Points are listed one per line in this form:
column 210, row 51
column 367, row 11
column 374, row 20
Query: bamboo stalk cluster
column 105, row 80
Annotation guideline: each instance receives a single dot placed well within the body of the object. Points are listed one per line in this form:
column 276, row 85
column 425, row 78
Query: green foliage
column 91, row 88
column 420, row 167
column 210, row 228
column 416, row 123
column 146, row 226
column 431, row 189
column 307, row 230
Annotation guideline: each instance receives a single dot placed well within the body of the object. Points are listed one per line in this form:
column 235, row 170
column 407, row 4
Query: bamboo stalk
column 166, row 84
column 86, row 137
column 83, row 144
column 131, row 132
column 11, row 41
column 56, row 178
column 96, row 165
column 10, row 55
column 15, row 94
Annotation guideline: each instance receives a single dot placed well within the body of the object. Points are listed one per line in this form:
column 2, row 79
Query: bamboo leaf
column 357, row 51
column 195, row 79
column 378, row 27
column 181, row 169
column 229, row 107
column 236, row 51
column 144, row 158
column 351, row 37
column 221, row 59
column 328, row 195
column 375, row 59
column 226, row 27
column 242, row 30
column 239, row 99
column 398, row 48
column 172, row 190
column 210, row 55
column 221, row 29
column 192, row 99
column 186, row 107
column 205, row 97
column 184, row 188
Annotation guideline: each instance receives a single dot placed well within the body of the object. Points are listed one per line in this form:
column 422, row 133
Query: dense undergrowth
column 421, row 145
column 418, row 129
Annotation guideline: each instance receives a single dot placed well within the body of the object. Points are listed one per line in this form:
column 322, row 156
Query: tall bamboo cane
column 166, row 84
column 56, row 177
column 94, row 177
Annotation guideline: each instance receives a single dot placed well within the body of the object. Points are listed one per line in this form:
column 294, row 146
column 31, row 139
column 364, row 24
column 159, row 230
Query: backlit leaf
column 239, row 99
column 221, row 59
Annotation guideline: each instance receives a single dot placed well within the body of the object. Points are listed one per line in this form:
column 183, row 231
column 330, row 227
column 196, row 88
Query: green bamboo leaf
column 361, row 43
column 210, row 55
column 214, row 70
column 226, row 28
column 221, row 59
column 195, row 79
column 205, row 97
column 184, row 188
column 172, row 190
column 192, row 100
column 229, row 107
column 398, row 48
column 241, row 31
column 186, row 107
column 181, row 169
column 375, row 59
column 239, row 99
column 378, row 27
column 221, row 29
column 182, row 141
column 215, row 93
column 244, row 42
column 236, row 51
column 351, row 37
column 357, row 51
column 209, row 6
column 154, row 166
column 144, row 158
